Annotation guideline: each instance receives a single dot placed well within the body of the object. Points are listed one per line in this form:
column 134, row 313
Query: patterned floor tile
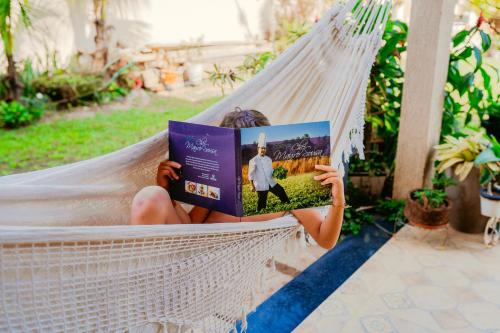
column 420, row 281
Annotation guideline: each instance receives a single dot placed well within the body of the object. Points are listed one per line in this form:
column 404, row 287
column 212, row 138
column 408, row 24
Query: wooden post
column 429, row 38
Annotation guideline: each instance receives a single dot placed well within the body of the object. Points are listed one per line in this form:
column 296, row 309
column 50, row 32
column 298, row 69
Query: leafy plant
column 469, row 93
column 427, row 197
column 112, row 92
column 280, row 172
column 69, row 88
column 14, row 114
column 488, row 162
column 383, row 103
column 354, row 219
column 392, row 211
column 254, row 63
column 441, row 181
column 460, row 152
column 289, row 32
column 222, row 77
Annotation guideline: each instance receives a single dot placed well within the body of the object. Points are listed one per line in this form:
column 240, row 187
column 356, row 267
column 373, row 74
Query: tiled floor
column 420, row 281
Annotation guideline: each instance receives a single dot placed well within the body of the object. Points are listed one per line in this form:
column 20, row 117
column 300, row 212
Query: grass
column 301, row 189
column 63, row 140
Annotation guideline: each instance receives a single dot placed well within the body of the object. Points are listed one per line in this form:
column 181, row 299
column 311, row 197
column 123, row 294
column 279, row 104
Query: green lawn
column 62, row 140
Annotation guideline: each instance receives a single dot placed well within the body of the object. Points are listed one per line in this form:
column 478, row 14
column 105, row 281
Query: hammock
column 68, row 260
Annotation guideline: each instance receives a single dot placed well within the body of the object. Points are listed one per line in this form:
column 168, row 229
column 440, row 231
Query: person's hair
column 244, row 118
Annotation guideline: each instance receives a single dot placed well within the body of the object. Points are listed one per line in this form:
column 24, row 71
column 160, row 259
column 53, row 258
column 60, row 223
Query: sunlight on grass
column 63, row 141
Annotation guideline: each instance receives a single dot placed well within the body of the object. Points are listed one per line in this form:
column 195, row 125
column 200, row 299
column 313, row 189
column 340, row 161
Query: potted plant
column 429, row 207
column 457, row 156
column 369, row 175
column 489, row 165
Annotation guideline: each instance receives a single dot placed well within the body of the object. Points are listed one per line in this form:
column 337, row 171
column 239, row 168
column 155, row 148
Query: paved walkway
column 419, row 281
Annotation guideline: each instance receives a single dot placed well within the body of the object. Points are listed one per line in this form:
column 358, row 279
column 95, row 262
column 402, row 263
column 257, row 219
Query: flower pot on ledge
column 424, row 215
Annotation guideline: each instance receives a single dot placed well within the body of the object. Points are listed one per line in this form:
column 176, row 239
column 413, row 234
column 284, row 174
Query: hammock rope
column 70, row 262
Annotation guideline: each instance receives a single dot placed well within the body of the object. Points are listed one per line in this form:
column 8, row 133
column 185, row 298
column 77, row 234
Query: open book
column 250, row 171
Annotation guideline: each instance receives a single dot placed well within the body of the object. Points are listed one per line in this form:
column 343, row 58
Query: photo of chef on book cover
column 278, row 167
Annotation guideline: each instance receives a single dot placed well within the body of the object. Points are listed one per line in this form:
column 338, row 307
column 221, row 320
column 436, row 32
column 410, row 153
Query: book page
column 278, row 166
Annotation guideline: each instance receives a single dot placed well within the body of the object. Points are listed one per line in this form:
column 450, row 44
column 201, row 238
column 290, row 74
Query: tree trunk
column 100, row 56
column 13, row 82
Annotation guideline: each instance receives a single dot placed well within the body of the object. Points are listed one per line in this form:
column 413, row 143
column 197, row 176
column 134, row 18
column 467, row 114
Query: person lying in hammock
column 152, row 204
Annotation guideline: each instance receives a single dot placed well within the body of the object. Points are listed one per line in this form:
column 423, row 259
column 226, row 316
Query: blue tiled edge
column 291, row 304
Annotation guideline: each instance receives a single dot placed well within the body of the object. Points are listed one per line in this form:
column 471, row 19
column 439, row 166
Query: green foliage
column 441, row 181
column 301, row 189
column 69, row 88
column 433, row 198
column 111, row 93
column 354, row 219
column 289, row 32
column 14, row 114
column 6, row 19
column 223, row 77
column 63, row 141
column 254, row 63
column 470, row 96
column 489, row 163
column 383, row 103
column 392, row 211
column 280, row 173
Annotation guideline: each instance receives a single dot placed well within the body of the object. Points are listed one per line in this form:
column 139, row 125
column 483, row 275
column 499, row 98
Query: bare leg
column 152, row 205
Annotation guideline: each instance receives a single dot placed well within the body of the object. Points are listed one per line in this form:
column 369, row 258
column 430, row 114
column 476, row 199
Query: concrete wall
column 65, row 26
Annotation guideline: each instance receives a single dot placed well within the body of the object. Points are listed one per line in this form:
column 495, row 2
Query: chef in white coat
column 260, row 174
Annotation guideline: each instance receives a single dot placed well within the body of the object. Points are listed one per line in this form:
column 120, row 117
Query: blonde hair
column 244, row 118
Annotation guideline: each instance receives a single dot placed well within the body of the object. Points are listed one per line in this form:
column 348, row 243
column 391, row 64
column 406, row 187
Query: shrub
column 69, row 88
column 112, row 92
column 14, row 114
column 280, row 172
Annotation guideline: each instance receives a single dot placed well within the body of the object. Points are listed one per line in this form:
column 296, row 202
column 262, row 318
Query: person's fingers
column 331, row 180
column 173, row 164
column 325, row 175
column 326, row 168
column 172, row 171
column 169, row 172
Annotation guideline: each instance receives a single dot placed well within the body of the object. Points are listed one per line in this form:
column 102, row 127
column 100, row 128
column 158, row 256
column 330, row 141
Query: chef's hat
column 262, row 140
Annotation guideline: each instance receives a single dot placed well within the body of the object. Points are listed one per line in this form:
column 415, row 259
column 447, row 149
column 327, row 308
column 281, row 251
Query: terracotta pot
column 465, row 215
column 429, row 217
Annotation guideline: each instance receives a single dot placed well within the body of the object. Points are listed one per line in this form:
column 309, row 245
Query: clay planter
column 426, row 217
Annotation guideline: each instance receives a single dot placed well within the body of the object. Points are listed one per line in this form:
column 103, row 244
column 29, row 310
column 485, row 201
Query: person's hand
column 166, row 171
column 332, row 176
column 253, row 186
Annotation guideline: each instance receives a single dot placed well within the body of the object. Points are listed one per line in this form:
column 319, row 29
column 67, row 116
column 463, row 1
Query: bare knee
column 150, row 206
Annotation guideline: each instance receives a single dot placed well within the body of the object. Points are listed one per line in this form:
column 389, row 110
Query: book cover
column 250, row 171
column 208, row 176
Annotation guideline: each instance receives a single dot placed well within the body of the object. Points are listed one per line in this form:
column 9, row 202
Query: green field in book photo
column 302, row 190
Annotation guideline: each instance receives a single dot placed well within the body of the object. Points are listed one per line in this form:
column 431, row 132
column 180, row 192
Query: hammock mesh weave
column 70, row 262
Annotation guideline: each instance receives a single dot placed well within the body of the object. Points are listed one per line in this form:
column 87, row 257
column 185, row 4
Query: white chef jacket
column 260, row 171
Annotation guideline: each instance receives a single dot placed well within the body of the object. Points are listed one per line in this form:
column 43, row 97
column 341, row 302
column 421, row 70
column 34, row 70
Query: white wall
column 65, row 26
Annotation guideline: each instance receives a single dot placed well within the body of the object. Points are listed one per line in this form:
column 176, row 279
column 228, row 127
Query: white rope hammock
column 70, row 262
